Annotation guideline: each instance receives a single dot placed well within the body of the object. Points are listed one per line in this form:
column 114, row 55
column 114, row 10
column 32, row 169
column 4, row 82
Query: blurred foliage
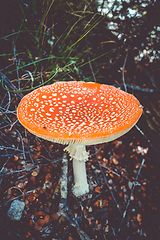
column 86, row 40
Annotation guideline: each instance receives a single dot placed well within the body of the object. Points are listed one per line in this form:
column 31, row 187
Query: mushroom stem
column 79, row 155
column 80, row 178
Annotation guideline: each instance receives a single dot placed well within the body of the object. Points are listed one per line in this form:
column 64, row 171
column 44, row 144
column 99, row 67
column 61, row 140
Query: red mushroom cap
column 79, row 112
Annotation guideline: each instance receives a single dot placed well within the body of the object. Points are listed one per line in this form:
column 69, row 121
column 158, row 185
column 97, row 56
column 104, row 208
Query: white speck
column 74, row 111
column 72, row 95
column 32, row 109
column 36, row 104
column 94, row 99
column 72, row 102
column 54, row 94
column 79, row 98
column 48, row 114
column 44, row 96
column 114, row 119
column 110, row 98
column 64, row 96
column 102, row 97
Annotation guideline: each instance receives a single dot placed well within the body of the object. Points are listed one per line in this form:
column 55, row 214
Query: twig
column 1, row 171
column 31, row 76
column 9, row 148
column 105, row 180
column 5, row 115
column 3, row 99
column 12, row 125
column 10, row 84
column 15, row 58
column 22, row 143
column 89, row 61
column 29, row 152
column 146, row 138
column 40, row 140
column 2, row 134
column 19, row 171
column 63, row 206
column 110, row 170
column 137, row 88
column 20, row 196
column 123, row 68
column 9, row 100
column 8, row 125
column 11, row 231
column 63, row 182
column 73, row 223
column 15, row 188
column 2, row 109
column 135, row 184
column 90, row 20
column 96, row 151
column 152, row 79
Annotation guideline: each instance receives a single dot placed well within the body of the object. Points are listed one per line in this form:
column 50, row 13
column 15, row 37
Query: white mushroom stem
column 80, row 178
column 79, row 155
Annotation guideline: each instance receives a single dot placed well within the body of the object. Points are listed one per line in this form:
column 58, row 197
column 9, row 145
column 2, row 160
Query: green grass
column 74, row 29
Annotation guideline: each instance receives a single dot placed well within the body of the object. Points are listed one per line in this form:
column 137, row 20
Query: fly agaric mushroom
column 79, row 114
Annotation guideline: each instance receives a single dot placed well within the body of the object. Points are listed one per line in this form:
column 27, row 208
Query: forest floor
column 123, row 202
column 123, row 175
